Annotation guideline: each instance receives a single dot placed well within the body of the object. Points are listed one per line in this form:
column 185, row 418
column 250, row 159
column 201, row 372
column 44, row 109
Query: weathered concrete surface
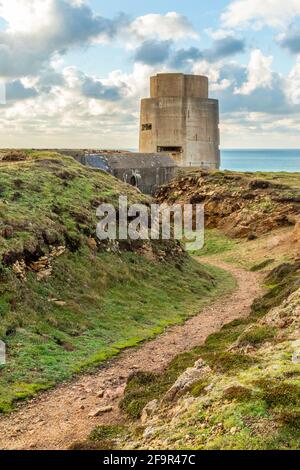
column 145, row 171
column 181, row 120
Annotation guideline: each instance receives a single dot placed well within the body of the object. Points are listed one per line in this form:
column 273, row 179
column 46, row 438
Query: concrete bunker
column 144, row 171
column 181, row 120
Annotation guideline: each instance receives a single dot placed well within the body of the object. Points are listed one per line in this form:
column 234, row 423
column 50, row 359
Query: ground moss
column 198, row 388
column 238, row 393
column 105, row 444
column 229, row 362
column 281, row 281
column 257, row 335
column 261, row 265
column 290, row 420
column 223, row 338
column 108, row 432
column 278, row 395
column 143, row 387
column 255, row 414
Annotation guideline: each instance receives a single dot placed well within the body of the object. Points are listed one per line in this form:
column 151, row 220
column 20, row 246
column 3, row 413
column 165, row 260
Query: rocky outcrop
column 241, row 205
column 296, row 233
column 42, row 266
column 189, row 377
column 149, row 410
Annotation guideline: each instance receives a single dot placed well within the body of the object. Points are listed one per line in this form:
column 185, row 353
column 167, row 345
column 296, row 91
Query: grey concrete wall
column 178, row 85
column 147, row 180
column 181, row 120
column 145, row 172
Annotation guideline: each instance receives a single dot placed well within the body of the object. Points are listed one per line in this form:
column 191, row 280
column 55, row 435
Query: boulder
column 149, row 411
column 100, row 411
column 190, row 376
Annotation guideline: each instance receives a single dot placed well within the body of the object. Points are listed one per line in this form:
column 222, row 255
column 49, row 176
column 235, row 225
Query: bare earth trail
column 60, row 417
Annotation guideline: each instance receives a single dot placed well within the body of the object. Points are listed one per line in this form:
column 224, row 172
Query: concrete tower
column 180, row 119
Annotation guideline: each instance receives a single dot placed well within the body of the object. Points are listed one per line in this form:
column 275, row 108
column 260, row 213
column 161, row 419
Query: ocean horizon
column 261, row 160
column 287, row 160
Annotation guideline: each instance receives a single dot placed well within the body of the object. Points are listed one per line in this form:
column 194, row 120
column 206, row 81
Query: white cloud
column 25, row 16
column 260, row 73
column 219, row 33
column 258, row 13
column 212, row 71
column 38, row 30
column 293, row 84
column 72, row 108
column 165, row 27
column 67, row 116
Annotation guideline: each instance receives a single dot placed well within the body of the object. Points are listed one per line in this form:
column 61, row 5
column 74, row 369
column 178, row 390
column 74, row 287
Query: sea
column 261, row 160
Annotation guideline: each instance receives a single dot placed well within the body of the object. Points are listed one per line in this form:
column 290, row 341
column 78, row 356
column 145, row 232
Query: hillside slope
column 67, row 301
column 241, row 390
column 240, row 204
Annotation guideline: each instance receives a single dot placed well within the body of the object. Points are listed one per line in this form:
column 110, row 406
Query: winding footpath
column 62, row 416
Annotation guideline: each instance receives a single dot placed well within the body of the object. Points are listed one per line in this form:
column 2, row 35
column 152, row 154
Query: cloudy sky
column 75, row 70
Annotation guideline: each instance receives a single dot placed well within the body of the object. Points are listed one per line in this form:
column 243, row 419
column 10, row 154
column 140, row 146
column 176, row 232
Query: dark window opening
column 133, row 181
column 170, row 149
column 146, row 127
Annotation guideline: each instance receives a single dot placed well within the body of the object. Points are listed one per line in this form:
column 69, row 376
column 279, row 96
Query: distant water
column 261, row 160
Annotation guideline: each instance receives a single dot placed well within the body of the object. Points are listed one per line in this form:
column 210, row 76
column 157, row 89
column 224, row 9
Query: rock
column 187, row 379
column 92, row 244
column 252, row 236
column 19, row 269
column 100, row 394
column 14, row 156
column 57, row 251
column 7, row 232
column 233, row 430
column 100, row 411
column 61, row 303
column 149, row 410
column 149, row 432
column 296, row 357
column 296, row 233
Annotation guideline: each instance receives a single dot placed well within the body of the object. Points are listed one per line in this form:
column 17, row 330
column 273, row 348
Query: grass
column 232, row 179
column 98, row 300
column 120, row 303
column 279, row 394
column 227, row 362
column 260, row 255
column 215, row 243
column 246, row 402
column 257, row 335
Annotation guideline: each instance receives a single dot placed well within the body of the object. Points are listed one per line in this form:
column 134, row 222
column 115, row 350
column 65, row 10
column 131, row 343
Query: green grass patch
column 257, row 335
column 99, row 299
column 110, row 432
column 279, row 395
column 144, row 387
column 262, row 265
column 111, row 302
column 215, row 243
column 226, row 362
column 238, row 393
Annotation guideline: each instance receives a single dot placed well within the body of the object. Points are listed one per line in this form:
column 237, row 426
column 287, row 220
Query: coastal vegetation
column 68, row 302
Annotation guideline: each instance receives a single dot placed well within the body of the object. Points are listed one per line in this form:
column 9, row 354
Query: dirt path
column 58, row 418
